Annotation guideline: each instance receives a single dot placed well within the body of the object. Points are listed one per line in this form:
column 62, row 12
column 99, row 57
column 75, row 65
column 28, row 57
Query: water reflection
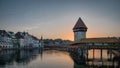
column 94, row 58
column 8, row 57
column 35, row 59
column 40, row 58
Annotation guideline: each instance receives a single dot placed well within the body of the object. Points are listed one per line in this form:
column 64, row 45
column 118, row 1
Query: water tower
column 79, row 30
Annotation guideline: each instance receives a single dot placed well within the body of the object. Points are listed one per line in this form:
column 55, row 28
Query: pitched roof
column 19, row 35
column 4, row 33
column 98, row 40
column 80, row 24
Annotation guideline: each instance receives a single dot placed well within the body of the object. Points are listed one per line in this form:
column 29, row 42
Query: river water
column 47, row 59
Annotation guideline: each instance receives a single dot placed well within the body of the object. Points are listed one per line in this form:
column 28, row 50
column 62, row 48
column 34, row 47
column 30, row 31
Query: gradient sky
column 56, row 18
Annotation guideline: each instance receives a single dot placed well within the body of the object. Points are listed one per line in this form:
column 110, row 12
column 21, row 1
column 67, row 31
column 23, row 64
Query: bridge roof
column 98, row 40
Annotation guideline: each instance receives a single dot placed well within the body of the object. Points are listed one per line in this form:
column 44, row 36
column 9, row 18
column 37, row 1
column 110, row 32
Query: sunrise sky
column 56, row 18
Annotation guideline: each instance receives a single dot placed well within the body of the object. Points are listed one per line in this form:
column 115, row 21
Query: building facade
column 5, row 40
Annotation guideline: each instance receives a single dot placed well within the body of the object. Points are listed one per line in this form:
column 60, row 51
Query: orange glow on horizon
column 70, row 35
column 67, row 36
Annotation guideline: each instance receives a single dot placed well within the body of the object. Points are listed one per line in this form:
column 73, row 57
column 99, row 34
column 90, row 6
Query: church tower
column 79, row 30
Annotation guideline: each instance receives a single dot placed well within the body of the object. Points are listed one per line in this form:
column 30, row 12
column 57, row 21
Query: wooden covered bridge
column 105, row 42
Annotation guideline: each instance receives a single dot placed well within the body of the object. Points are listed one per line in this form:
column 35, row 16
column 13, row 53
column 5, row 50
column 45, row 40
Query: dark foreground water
column 50, row 59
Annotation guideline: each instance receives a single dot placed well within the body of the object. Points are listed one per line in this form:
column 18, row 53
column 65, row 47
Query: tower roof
column 80, row 24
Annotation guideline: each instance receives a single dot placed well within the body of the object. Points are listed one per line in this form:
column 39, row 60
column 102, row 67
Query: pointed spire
column 41, row 37
column 80, row 24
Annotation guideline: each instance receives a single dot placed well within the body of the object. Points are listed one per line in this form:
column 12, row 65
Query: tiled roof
column 19, row 35
column 80, row 24
column 3, row 33
column 34, row 37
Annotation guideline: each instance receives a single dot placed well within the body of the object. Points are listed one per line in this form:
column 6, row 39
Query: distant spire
column 41, row 37
column 80, row 24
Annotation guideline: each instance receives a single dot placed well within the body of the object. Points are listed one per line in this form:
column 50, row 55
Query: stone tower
column 79, row 30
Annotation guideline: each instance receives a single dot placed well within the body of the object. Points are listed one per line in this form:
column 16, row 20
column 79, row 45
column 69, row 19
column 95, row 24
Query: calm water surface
column 35, row 59
column 46, row 59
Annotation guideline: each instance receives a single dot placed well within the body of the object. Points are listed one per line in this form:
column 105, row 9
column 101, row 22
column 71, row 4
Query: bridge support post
column 101, row 54
column 93, row 52
column 87, row 53
column 110, row 54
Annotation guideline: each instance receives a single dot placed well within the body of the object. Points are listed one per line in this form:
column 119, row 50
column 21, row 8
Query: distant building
column 5, row 39
column 9, row 40
column 26, row 40
column 20, row 40
column 79, row 30
column 56, row 42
